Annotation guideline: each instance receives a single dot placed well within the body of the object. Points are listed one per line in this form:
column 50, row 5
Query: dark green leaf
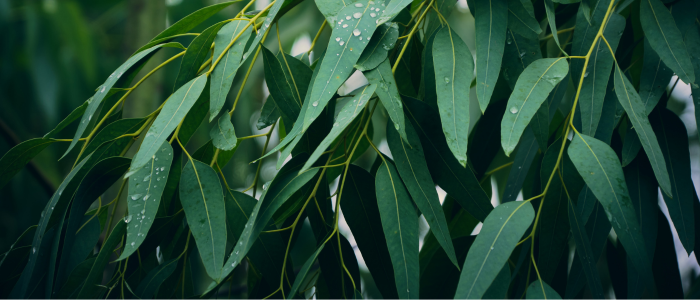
column 282, row 89
column 74, row 115
column 439, row 278
column 75, row 279
column 192, row 20
column 153, row 280
column 521, row 166
column 654, row 78
column 551, row 17
column 113, row 131
column 491, row 21
column 590, row 242
column 521, row 20
column 540, row 289
column 587, row 27
column 301, row 275
column 269, row 114
column 392, row 10
column 388, row 94
column 225, row 70
column 665, row 265
column 90, row 287
column 519, row 53
column 14, row 160
column 378, row 47
column 197, row 53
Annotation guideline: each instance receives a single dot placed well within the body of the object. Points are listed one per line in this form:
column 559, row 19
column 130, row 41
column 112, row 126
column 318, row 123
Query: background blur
column 54, row 53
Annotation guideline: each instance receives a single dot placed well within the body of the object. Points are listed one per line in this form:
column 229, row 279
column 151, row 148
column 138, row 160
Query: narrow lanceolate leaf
column 491, row 21
column 344, row 49
column 597, row 74
column 74, row 115
column 269, row 114
column 271, row 16
column 361, row 212
column 14, row 160
column 197, row 52
column 599, row 166
column 347, row 114
column 286, row 183
column 174, row 110
column 282, row 89
column 203, row 201
column 113, row 131
column 521, row 21
column 519, row 53
column 551, row 17
column 304, row 272
column 222, row 134
column 634, row 107
column 330, row 9
column 665, row 38
column 93, row 279
column 584, row 34
column 531, row 90
column 145, row 190
column 153, row 280
column 590, row 240
column 388, row 93
column 225, row 70
column 400, row 228
column 102, row 92
column 522, row 163
column 673, row 139
column 502, row 230
column 654, row 78
column 378, row 48
column 540, row 289
column 457, row 181
column 392, row 9
column 453, row 74
column 413, row 169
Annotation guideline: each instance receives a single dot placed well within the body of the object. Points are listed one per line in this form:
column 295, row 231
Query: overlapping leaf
column 388, row 93
column 225, row 70
column 491, row 21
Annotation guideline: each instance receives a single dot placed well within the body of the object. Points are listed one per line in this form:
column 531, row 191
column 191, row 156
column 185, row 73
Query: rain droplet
column 522, row 53
column 237, row 252
column 146, row 197
column 396, row 126
column 143, row 211
column 513, row 110
column 345, row 25
column 33, row 249
column 147, row 177
column 356, row 32
column 133, row 243
column 373, row 15
column 360, row 38
column 337, row 39
column 447, row 80
column 103, row 90
column 135, row 196
column 315, row 103
column 348, row 17
column 335, row 124
column 357, row 15
column 358, row 4
column 128, row 219
column 233, row 265
column 585, row 75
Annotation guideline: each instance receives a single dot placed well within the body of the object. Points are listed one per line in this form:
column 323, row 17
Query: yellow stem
column 410, row 35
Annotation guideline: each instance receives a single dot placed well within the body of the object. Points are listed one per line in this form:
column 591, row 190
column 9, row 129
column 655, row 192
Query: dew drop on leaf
column 356, row 32
column 357, row 15
column 513, row 110
column 358, row 4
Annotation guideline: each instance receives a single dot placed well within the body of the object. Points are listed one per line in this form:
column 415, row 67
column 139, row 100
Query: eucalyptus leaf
column 282, row 90
column 224, row 72
column 388, row 93
column 378, row 48
column 491, row 20
column 392, row 9
column 94, row 277
column 223, row 134
column 16, row 158
column 155, row 278
column 521, row 21
column 540, row 289
column 269, row 114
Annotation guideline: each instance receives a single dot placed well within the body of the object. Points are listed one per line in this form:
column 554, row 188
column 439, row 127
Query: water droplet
column 240, row 243
column 133, row 243
column 143, row 211
column 337, row 39
column 146, row 197
column 233, row 265
column 396, row 126
column 237, row 252
column 147, row 177
column 358, row 4
column 342, row 43
column 356, row 32
column 103, row 90
column 522, row 53
column 348, row 17
column 340, row 22
column 372, row 15
column 127, row 219
column 357, row 15
column 447, row 80
column 585, row 75
column 33, row 249
column 315, row 103
column 360, row 38
column 335, row 124
column 491, row 248
column 135, row 196
column 513, row 110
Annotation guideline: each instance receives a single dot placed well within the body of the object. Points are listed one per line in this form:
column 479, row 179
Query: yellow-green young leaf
column 453, row 65
column 413, row 169
column 197, row 52
column 654, row 78
column 491, row 20
column 673, row 139
column 521, row 21
column 203, row 201
column 378, row 48
column 91, row 286
column 347, row 114
column 223, row 135
column 102, row 92
column 282, row 90
column 388, row 93
column 540, row 289
column 225, row 71
column 531, row 90
column 392, row 9
column 599, row 166
column 174, row 110
column 344, row 49
column 502, row 230
column 665, row 38
column 634, row 107
column 149, row 285
column 400, row 226
column 145, row 190
column 14, row 160
column 304, row 271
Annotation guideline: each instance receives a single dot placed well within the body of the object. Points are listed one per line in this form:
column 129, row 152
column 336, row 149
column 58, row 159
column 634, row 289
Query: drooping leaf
column 282, row 90
column 155, row 278
column 90, row 287
column 531, row 90
column 203, row 201
column 453, row 74
column 444, row 167
column 14, row 160
column 502, row 230
column 330, row 9
column 540, row 289
column 74, row 115
column 301, row 275
column 413, row 169
column 521, row 21
column 269, row 114
column 197, row 53
column 224, row 72
column 400, row 227
column 378, row 48
column 590, row 241
column 296, row 71
column 491, row 20
column 223, row 134
column 587, row 26
column 170, row 116
column 388, row 94
column 519, row 53
column 692, row 41
column 146, row 187
column 75, row 279
column 439, row 278
column 654, row 78
column 392, row 10
column 634, row 107
column 551, row 17
column 521, row 166
column 114, row 130
column 598, row 165
column 665, row 38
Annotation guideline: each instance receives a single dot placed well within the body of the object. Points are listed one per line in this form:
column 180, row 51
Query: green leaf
column 296, row 71
column 225, row 71
column 392, row 10
column 170, row 116
column 388, row 93
column 597, row 74
column 146, row 184
column 588, row 249
column 444, row 167
column 439, row 278
column 192, row 20
column 113, row 131
column 285, row 184
column 540, row 289
column 330, row 9
column 154, row 279
column 304, row 271
column 519, row 52
column 551, row 17
column 491, row 21
column 400, row 227
column 634, row 107
column 347, row 114
column 428, row 81
column 271, row 16
column 410, row 162
column 586, row 28
column 282, row 89
column 654, row 78
column 347, row 47
column 203, row 201
column 378, row 48
column 90, row 287
column 223, row 135
column 361, row 212
column 598, row 165
column 14, row 160
column 75, row 279
column 531, row 90
column 197, row 53
column 103, row 91
column 665, row 264
column 269, row 113
column 665, row 38
column 74, row 115
column 453, row 74
column 502, row 230
column 521, row 166
column 521, row 21
column 499, row 286
column 673, row 139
